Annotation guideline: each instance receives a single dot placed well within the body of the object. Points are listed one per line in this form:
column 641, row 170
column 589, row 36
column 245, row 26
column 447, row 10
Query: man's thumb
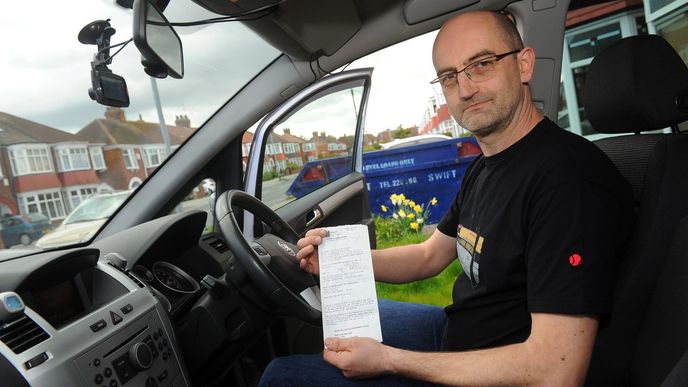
column 332, row 343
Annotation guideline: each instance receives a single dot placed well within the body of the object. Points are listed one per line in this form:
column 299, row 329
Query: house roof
column 17, row 130
column 247, row 137
column 290, row 138
column 113, row 132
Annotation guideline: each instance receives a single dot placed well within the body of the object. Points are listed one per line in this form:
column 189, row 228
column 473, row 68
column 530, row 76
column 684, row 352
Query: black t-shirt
column 539, row 227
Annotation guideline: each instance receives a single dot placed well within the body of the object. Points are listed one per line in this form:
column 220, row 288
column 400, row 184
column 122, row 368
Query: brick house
column 246, row 140
column 275, row 159
column 292, row 147
column 46, row 170
column 132, row 149
column 327, row 146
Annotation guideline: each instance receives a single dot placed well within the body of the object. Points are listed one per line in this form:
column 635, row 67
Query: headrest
column 636, row 84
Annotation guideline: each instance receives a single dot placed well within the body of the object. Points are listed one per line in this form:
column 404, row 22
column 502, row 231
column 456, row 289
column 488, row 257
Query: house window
column 154, row 155
column 46, row 203
column 333, row 146
column 97, row 158
column 73, row 159
column 129, row 156
column 291, row 148
column 274, row 148
column 30, row 159
column 308, row 147
column 245, row 149
column 296, row 161
column 78, row 195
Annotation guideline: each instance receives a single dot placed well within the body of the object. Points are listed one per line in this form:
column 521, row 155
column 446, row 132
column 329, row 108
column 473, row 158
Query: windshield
column 60, row 148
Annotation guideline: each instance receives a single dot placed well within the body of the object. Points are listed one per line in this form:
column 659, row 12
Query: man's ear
column 526, row 63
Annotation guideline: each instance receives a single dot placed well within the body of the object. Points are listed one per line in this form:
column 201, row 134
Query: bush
column 402, row 217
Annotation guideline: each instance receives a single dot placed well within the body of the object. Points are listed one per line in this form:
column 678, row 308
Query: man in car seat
column 537, row 226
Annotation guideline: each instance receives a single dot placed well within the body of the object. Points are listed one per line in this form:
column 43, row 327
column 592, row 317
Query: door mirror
column 157, row 41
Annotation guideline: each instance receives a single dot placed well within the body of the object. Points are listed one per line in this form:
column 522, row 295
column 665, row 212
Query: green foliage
column 269, row 175
column 370, row 148
column 434, row 291
column 394, row 231
column 465, row 134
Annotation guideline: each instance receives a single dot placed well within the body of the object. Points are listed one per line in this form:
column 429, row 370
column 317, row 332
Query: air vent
column 22, row 334
column 218, row 244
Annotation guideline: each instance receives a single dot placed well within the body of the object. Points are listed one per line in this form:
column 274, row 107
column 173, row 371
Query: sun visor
column 296, row 27
column 416, row 11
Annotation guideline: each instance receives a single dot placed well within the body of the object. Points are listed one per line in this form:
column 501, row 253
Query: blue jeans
column 404, row 325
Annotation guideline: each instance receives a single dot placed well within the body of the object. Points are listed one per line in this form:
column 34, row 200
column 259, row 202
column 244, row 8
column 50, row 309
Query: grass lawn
column 433, row 291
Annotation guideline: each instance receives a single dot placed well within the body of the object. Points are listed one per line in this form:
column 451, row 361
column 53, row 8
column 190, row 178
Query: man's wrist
column 392, row 359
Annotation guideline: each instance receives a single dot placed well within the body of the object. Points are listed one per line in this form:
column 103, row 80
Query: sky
column 45, row 71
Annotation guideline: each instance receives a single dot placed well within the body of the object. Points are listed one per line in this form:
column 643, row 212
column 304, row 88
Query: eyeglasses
column 478, row 71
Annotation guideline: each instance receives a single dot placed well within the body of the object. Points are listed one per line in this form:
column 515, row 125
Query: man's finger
column 335, row 344
column 305, row 252
column 321, row 232
column 309, row 240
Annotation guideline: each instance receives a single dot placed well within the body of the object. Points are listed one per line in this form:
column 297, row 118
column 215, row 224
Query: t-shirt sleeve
column 450, row 220
column 570, row 249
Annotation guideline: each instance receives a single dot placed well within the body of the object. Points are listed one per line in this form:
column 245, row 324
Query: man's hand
column 357, row 357
column 308, row 250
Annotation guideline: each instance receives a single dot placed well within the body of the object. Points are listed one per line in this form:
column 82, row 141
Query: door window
column 312, row 147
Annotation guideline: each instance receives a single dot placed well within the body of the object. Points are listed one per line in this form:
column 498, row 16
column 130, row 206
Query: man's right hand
column 308, row 250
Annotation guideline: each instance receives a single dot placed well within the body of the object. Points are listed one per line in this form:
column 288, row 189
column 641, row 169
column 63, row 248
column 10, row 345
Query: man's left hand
column 357, row 357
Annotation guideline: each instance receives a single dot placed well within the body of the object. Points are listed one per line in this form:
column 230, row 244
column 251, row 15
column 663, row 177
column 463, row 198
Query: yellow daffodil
column 406, row 201
column 412, row 203
column 402, row 213
column 433, row 201
column 411, row 216
column 420, row 220
column 418, row 208
column 383, row 208
column 414, row 225
column 395, row 216
column 401, row 197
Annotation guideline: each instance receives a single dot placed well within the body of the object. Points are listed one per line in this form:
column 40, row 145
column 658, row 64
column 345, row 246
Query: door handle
column 313, row 217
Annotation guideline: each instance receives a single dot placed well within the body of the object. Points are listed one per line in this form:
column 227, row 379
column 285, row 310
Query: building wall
column 117, row 175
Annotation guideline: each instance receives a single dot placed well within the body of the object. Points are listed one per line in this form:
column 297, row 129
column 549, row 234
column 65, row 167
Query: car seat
column 635, row 85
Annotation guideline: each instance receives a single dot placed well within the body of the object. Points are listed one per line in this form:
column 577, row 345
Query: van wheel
column 25, row 239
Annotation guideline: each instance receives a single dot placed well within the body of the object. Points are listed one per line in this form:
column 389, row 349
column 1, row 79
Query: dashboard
column 159, row 304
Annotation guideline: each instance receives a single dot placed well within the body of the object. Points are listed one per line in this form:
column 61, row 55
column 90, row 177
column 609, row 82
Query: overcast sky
column 45, row 71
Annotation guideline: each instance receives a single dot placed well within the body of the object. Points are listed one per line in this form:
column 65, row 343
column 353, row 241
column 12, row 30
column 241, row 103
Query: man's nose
column 466, row 87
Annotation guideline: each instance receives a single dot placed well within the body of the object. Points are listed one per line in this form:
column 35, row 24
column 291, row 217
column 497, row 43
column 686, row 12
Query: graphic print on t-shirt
column 469, row 245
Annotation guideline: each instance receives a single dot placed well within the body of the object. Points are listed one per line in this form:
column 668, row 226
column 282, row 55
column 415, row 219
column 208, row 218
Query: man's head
column 486, row 96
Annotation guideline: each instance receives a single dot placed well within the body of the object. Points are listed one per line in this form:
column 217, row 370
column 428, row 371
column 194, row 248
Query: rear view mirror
column 157, row 41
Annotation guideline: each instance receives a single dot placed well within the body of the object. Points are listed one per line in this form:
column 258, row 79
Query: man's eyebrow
column 473, row 58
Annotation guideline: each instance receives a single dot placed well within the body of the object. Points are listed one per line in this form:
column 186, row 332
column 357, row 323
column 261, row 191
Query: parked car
column 87, row 218
column 23, row 229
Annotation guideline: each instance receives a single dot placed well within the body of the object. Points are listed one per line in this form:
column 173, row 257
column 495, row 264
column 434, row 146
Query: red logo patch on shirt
column 575, row 259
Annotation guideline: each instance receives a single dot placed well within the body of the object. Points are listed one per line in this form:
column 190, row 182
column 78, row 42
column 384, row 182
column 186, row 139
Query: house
column 132, row 149
column 275, row 159
column 293, row 149
column 246, row 141
column 44, row 169
column 438, row 120
column 328, row 146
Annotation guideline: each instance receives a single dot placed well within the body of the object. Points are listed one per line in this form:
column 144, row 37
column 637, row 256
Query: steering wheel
column 270, row 261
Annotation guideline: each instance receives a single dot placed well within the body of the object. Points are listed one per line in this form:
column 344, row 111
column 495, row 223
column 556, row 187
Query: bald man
column 537, row 226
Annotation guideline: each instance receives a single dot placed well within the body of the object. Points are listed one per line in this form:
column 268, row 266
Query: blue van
column 24, row 228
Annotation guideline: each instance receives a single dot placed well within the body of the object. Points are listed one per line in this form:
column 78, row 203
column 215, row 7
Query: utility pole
column 161, row 118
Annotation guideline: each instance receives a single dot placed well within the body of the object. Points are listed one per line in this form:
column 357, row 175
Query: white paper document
column 347, row 284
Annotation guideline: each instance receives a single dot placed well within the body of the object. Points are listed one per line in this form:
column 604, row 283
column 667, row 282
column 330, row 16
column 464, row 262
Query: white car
column 86, row 219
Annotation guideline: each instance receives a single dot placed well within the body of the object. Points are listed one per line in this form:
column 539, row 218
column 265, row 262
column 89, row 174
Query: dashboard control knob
column 116, row 260
column 141, row 356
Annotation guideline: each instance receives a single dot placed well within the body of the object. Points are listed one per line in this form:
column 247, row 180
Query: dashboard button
column 164, row 342
column 162, row 376
column 107, row 372
column 126, row 308
column 116, row 319
column 151, row 382
column 36, row 360
column 98, row 325
column 98, row 379
column 113, row 383
column 96, row 362
column 160, row 332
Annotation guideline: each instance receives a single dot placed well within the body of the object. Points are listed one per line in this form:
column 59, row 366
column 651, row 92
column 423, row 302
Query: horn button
column 282, row 262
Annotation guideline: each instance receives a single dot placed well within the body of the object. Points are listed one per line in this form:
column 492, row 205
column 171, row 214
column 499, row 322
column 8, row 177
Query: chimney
column 115, row 113
column 287, row 131
column 315, row 135
column 183, row 121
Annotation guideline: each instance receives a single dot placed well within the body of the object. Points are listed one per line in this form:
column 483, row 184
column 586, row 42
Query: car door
column 305, row 160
